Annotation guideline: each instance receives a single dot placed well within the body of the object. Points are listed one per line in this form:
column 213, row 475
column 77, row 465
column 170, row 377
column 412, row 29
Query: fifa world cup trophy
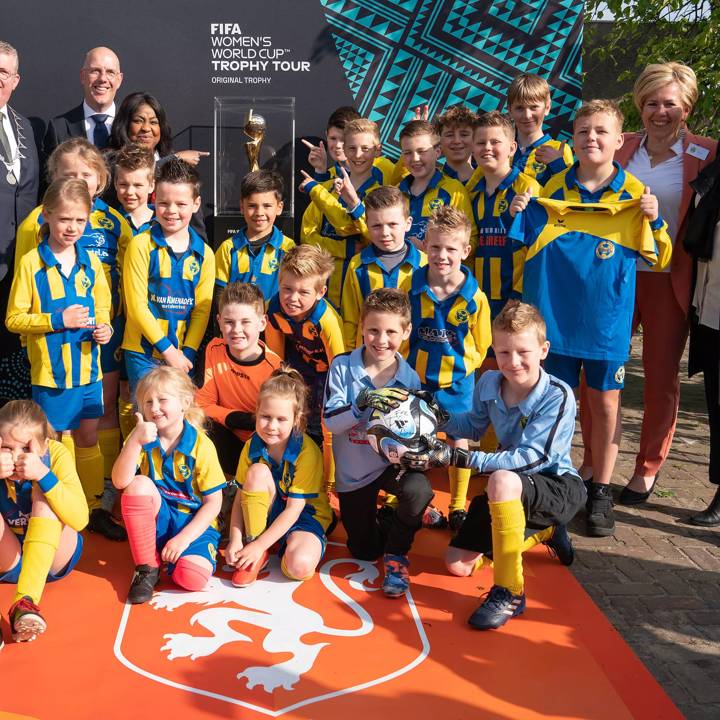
column 254, row 128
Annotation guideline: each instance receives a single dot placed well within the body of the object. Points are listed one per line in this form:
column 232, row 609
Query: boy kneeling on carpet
column 532, row 480
column 42, row 510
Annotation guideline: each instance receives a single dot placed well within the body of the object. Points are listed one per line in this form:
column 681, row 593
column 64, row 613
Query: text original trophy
column 254, row 128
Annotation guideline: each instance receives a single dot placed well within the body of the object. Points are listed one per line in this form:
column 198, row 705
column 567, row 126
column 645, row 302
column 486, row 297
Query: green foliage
column 647, row 31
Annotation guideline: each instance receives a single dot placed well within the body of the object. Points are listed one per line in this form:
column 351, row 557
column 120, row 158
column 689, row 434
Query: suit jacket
column 16, row 201
column 63, row 127
column 681, row 266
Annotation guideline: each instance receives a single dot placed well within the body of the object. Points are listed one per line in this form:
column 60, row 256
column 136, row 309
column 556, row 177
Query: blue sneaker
column 499, row 606
column 397, row 578
column 560, row 546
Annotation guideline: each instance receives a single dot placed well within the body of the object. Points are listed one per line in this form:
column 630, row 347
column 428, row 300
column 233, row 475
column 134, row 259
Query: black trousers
column 705, row 358
column 369, row 537
column 228, row 446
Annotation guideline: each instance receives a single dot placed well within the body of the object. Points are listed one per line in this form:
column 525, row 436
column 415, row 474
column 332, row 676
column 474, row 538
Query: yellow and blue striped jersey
column 308, row 345
column 450, row 337
column 188, row 473
column 366, row 273
column 452, row 173
column 298, row 475
column 60, row 485
column 238, row 260
column 441, row 190
column 526, row 162
column 106, row 235
column 581, row 263
column 497, row 264
column 167, row 295
column 59, row 357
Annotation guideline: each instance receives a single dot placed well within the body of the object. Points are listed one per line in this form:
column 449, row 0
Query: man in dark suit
column 101, row 78
column 19, row 174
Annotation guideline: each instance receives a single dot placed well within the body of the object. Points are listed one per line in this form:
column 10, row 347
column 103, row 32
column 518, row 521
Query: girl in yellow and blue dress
column 281, row 497
column 106, row 236
column 60, row 302
column 171, row 480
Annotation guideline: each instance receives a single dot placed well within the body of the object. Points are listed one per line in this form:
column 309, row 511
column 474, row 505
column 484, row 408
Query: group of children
column 407, row 278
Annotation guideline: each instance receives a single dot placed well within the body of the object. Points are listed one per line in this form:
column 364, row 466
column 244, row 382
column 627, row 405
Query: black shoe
column 633, row 497
column 710, row 516
column 559, row 545
column 600, row 519
column 143, row 583
column 500, row 605
column 101, row 522
column 456, row 519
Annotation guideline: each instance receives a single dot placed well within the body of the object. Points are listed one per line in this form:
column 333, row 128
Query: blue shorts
column 111, row 353
column 599, row 374
column 138, row 365
column 65, row 408
column 170, row 521
column 458, row 397
column 12, row 575
column 306, row 522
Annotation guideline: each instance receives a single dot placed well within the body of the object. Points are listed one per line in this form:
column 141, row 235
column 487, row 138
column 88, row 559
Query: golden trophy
column 255, row 127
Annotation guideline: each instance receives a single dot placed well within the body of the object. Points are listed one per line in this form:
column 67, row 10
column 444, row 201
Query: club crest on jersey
column 106, row 223
column 85, row 282
column 502, row 205
column 435, row 204
column 184, row 471
column 538, row 167
column 193, row 267
column 461, row 316
column 270, row 648
column 273, row 264
column 604, row 250
column 620, row 375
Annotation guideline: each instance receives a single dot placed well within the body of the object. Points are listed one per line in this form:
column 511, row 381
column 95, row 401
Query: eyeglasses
column 5, row 75
column 95, row 73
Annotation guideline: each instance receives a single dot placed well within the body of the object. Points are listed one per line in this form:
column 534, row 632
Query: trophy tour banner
column 385, row 58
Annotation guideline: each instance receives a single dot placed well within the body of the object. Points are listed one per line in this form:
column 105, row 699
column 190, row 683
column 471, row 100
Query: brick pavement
column 657, row 578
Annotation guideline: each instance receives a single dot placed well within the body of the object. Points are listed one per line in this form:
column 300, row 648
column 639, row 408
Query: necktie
column 4, row 142
column 100, row 132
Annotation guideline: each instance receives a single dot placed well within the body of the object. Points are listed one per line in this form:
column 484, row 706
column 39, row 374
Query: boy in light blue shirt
column 532, row 481
column 375, row 377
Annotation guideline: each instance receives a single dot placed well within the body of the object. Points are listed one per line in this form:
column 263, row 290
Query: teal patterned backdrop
column 398, row 54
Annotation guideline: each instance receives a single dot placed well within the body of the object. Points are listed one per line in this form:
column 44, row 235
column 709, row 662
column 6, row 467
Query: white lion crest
column 269, row 604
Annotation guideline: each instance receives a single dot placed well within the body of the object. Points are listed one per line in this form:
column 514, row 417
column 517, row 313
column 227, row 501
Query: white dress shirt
column 90, row 123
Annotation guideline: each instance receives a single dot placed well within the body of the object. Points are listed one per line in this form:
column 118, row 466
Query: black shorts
column 547, row 499
column 228, row 446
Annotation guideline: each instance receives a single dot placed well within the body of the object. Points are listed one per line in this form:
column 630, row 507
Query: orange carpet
column 334, row 648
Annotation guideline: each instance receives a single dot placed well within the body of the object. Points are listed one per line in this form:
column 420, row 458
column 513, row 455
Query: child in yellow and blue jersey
column 584, row 236
column 60, row 301
column 254, row 254
column 426, row 187
column 450, row 328
column 455, row 128
column 134, row 180
column 42, row 510
column 537, row 154
column 335, row 220
column 172, row 486
column 106, row 236
column 169, row 275
column 281, row 496
column 498, row 265
column 389, row 261
column 305, row 330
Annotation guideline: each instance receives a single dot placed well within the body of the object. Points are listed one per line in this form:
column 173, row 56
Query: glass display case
column 252, row 133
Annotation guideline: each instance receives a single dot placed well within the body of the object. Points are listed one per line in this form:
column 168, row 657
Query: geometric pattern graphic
column 398, row 54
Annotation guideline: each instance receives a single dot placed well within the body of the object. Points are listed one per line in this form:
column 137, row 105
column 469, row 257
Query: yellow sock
column 255, row 506
column 459, row 482
column 42, row 540
column 126, row 416
column 109, row 442
column 69, row 443
column 539, row 537
column 288, row 575
column 508, row 528
column 89, row 463
column 328, row 461
column 489, row 442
